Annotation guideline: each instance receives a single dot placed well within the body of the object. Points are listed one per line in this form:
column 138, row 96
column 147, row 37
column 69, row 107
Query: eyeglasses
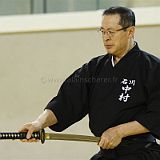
column 111, row 33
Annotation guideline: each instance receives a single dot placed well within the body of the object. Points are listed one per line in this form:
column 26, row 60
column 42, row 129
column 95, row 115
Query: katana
column 42, row 136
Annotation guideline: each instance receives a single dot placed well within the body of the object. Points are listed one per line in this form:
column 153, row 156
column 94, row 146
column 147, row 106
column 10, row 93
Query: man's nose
column 106, row 37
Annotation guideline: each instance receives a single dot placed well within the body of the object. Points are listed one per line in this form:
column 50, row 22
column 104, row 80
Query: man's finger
column 109, row 146
column 23, row 140
column 29, row 134
column 30, row 140
column 23, row 129
column 102, row 143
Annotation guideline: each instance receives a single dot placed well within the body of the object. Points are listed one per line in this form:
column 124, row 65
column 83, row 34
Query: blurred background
column 14, row 7
column 41, row 43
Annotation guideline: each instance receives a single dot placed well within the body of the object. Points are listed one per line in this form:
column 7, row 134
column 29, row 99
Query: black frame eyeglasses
column 111, row 33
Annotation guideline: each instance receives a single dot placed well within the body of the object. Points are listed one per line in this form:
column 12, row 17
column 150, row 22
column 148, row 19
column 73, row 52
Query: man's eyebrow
column 107, row 28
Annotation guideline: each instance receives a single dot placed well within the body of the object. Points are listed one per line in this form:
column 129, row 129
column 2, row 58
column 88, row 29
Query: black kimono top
column 129, row 91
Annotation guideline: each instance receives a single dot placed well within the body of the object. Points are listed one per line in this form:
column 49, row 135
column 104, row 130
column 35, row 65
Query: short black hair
column 127, row 16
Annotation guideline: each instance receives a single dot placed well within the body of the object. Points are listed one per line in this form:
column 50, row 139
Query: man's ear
column 131, row 31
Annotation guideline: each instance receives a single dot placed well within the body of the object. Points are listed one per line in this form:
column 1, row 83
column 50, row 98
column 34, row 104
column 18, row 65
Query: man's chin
column 109, row 51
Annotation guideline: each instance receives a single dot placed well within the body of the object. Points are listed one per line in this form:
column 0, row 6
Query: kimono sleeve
column 71, row 103
column 151, row 118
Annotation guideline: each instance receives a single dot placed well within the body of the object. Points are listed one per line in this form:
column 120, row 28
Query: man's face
column 115, row 42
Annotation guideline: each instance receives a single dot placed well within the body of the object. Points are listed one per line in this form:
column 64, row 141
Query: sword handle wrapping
column 22, row 135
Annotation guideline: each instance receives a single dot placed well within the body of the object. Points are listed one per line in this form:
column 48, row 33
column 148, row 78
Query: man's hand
column 30, row 128
column 46, row 119
column 111, row 138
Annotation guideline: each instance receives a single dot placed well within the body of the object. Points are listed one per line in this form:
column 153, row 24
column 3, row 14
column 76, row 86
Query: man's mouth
column 108, row 46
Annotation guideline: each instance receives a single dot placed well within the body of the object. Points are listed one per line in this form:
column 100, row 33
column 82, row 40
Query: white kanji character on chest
column 124, row 97
column 126, row 88
column 125, row 81
column 133, row 82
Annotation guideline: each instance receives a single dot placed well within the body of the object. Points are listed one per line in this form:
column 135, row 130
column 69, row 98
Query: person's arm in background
column 46, row 119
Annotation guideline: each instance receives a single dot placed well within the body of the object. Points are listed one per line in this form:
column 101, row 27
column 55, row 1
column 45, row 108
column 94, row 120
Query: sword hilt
column 22, row 135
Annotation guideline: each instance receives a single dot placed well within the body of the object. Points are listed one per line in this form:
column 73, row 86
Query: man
column 120, row 91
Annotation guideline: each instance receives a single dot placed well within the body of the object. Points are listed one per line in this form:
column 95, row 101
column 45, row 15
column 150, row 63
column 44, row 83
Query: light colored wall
column 149, row 38
column 32, row 67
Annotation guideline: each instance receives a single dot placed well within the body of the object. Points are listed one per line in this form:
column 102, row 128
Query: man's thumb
column 29, row 134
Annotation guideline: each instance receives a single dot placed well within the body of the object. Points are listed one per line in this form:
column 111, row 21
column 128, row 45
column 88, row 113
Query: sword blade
column 71, row 137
